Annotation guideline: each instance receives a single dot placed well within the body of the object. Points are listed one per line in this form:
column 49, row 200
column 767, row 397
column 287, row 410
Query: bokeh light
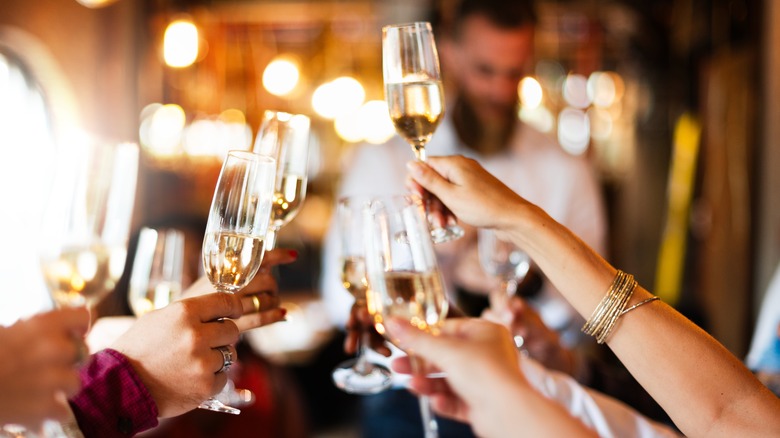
column 530, row 91
column 600, row 124
column 161, row 128
column 601, row 89
column 575, row 91
column 340, row 96
column 281, row 76
column 540, row 118
column 573, row 131
column 180, row 43
column 370, row 123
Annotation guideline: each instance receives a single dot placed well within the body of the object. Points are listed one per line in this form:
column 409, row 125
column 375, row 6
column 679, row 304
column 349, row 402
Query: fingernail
column 293, row 253
column 414, row 168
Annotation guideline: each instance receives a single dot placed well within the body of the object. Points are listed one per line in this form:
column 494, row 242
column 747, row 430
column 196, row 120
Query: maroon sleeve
column 113, row 402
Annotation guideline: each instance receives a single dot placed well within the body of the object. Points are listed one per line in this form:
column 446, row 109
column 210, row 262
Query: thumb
column 414, row 341
column 427, row 177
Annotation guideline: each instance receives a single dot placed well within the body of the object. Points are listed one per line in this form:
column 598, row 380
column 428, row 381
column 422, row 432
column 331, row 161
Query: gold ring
column 256, row 302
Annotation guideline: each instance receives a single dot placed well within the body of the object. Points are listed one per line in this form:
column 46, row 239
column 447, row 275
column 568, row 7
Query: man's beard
column 485, row 137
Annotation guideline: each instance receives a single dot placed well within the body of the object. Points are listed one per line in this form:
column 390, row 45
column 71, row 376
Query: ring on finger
column 256, row 303
column 227, row 358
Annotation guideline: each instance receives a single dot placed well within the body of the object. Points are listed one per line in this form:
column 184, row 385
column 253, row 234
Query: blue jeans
column 396, row 413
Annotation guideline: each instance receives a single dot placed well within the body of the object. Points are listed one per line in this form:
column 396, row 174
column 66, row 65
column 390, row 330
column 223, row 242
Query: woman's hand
column 469, row 191
column 40, row 357
column 174, row 350
column 260, row 298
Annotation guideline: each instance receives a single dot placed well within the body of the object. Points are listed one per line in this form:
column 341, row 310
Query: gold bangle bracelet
column 641, row 303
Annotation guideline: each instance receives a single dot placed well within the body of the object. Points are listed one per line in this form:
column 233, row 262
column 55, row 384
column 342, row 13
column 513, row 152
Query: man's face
column 487, row 63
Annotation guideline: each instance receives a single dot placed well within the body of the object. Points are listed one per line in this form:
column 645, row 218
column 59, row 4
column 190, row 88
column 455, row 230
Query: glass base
column 215, row 405
column 447, row 234
column 348, row 379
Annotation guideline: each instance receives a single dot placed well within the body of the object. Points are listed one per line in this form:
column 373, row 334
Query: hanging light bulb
column 94, row 4
column 281, row 76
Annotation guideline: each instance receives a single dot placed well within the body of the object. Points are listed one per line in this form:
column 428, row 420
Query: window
column 27, row 144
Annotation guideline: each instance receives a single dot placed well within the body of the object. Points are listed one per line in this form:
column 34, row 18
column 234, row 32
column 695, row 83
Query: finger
column 259, row 302
column 279, row 256
column 263, row 318
column 264, row 281
column 402, row 365
column 218, row 332
column 351, row 341
column 220, row 380
column 427, row 177
column 72, row 320
column 214, row 306
column 232, row 357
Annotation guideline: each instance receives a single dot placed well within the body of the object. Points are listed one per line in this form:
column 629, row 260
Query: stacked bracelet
column 612, row 307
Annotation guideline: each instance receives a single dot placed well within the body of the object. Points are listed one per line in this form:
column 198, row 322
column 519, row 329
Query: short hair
column 506, row 14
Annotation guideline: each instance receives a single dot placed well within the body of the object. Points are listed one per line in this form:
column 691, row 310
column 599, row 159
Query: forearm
column 695, row 379
column 524, row 409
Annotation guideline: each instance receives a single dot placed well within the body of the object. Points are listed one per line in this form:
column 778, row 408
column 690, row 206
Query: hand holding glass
column 233, row 246
column 503, row 260
column 403, row 274
column 359, row 375
column 414, row 92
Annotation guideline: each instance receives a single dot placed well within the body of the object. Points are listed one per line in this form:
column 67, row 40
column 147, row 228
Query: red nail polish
column 293, row 253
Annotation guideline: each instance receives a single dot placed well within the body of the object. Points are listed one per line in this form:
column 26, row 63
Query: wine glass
column 358, row 375
column 86, row 225
column 285, row 137
column 233, row 246
column 156, row 278
column 503, row 260
column 414, row 92
column 403, row 274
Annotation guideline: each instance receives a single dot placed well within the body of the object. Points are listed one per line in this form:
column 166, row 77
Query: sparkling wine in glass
column 87, row 223
column 414, row 92
column 156, row 278
column 233, row 246
column 503, row 260
column 358, row 375
column 404, row 275
column 285, row 137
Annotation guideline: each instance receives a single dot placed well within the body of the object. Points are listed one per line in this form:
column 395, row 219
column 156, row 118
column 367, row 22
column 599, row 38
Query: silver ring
column 227, row 359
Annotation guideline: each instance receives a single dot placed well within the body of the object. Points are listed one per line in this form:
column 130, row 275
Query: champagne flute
column 88, row 222
column 238, row 221
column 156, row 278
column 358, row 375
column 505, row 261
column 86, row 226
column 285, row 137
column 414, row 92
column 404, row 276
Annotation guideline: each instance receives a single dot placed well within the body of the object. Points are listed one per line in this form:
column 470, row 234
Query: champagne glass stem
column 430, row 426
column 363, row 366
column 419, row 152
column 270, row 238
column 510, row 287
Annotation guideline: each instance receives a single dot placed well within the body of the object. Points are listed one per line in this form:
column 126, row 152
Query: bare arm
column 703, row 387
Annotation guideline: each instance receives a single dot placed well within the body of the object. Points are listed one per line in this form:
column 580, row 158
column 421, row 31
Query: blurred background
column 675, row 103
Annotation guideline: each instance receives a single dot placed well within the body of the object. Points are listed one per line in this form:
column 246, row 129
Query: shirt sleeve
column 607, row 416
column 113, row 402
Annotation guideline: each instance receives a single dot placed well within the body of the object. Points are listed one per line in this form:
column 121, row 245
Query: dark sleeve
column 112, row 402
